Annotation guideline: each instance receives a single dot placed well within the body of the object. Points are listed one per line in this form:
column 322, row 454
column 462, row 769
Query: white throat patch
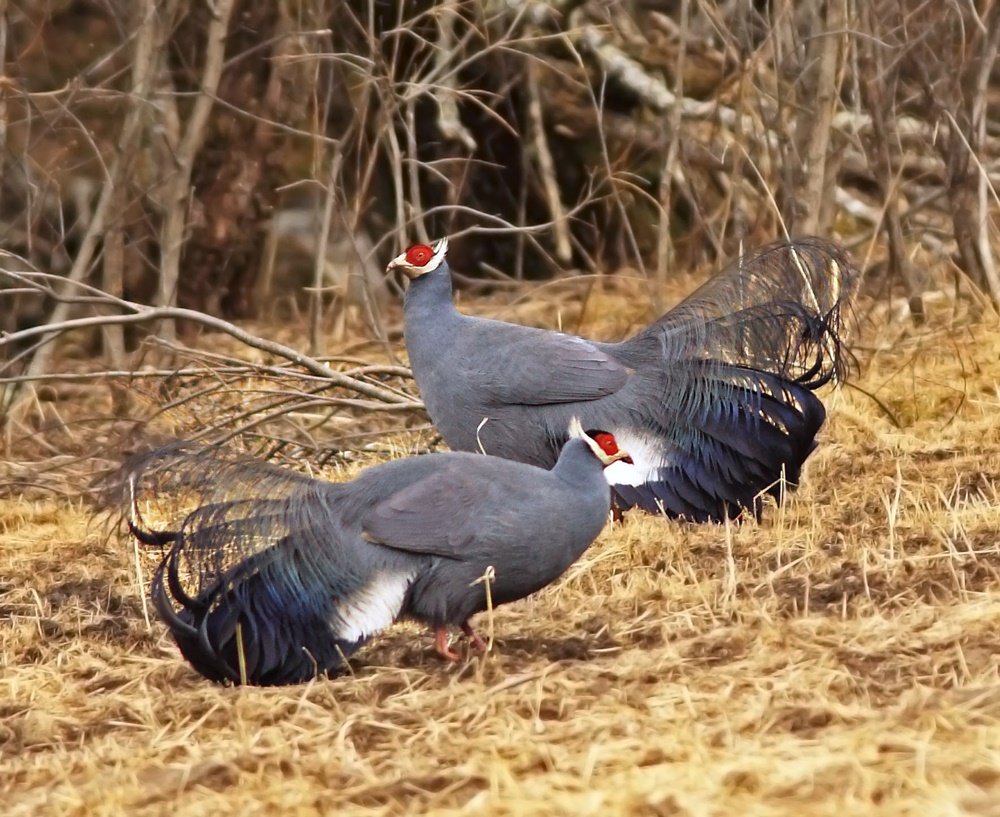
column 647, row 459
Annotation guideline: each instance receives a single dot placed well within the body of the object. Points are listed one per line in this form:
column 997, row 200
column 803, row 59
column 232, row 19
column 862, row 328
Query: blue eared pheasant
column 714, row 401
column 276, row 577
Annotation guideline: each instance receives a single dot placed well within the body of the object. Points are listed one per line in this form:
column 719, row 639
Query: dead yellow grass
column 839, row 659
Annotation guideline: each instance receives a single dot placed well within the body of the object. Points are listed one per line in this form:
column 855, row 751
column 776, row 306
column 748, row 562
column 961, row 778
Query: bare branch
column 449, row 122
column 546, row 166
column 817, row 142
column 991, row 44
column 664, row 246
column 142, row 76
column 178, row 187
column 316, row 296
column 139, row 314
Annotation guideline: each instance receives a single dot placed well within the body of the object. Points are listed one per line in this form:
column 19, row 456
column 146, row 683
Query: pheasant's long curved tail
column 267, row 588
column 784, row 309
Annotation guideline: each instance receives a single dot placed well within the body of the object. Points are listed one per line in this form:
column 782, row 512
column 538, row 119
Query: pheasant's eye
column 418, row 255
column 607, row 442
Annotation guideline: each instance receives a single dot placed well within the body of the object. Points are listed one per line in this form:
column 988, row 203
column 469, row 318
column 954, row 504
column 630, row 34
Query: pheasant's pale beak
column 619, row 456
column 400, row 263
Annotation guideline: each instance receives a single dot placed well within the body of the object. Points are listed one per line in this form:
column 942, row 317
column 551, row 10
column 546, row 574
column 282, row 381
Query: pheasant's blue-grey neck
column 277, row 577
column 714, row 401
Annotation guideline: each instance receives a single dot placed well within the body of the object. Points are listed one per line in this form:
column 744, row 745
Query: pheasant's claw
column 441, row 645
column 474, row 638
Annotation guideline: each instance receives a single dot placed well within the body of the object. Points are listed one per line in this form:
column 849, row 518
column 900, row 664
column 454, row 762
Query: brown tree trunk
column 235, row 176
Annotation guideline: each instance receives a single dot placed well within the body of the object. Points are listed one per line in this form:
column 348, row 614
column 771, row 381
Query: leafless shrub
column 242, row 157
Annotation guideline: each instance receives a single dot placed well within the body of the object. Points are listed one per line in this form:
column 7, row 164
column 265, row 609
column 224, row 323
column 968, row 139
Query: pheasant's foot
column 441, row 645
column 477, row 643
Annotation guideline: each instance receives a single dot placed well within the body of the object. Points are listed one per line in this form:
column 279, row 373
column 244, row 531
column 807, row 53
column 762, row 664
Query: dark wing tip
column 735, row 459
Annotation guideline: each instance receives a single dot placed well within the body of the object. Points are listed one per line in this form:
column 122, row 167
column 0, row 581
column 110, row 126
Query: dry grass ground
column 841, row 658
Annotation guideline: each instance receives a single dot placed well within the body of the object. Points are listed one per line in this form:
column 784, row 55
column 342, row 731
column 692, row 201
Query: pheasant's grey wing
column 716, row 448
column 272, row 591
column 782, row 309
column 412, row 520
column 518, row 365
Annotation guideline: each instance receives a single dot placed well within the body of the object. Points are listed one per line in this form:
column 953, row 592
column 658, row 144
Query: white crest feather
column 440, row 247
column 576, row 430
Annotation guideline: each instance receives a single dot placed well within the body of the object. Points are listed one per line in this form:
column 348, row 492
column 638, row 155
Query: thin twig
column 664, row 246
column 145, row 56
column 145, row 314
column 320, row 261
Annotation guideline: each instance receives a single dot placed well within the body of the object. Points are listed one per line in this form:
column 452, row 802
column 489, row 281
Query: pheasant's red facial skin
column 609, row 445
column 419, row 254
column 606, row 442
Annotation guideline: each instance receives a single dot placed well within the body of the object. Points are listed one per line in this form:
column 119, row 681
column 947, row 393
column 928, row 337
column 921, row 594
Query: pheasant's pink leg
column 478, row 644
column 441, row 645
